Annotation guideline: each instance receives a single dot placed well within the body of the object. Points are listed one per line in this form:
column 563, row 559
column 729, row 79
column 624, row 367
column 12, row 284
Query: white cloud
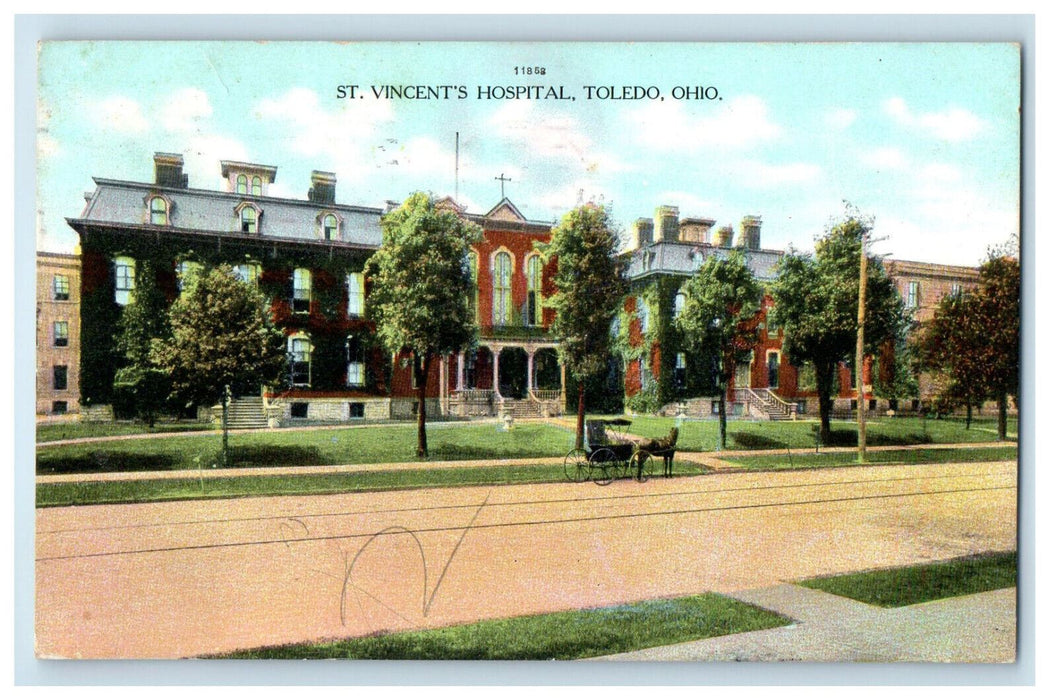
column 759, row 175
column 738, row 123
column 347, row 140
column 885, row 158
column 185, row 110
column 840, row 119
column 203, row 155
column 954, row 124
column 558, row 201
column 551, row 135
column 120, row 114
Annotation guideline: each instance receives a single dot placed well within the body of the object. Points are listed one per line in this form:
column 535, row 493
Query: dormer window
column 241, row 184
column 249, row 217
column 329, row 227
column 159, row 211
column 256, row 186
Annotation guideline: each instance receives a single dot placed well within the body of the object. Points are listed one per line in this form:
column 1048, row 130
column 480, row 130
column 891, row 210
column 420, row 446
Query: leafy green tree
column 952, row 344
column 999, row 297
column 974, row 339
column 222, row 336
column 421, row 287
column 816, row 303
column 589, row 287
column 719, row 319
column 141, row 383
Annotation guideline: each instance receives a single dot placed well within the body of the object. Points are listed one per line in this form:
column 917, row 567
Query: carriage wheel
column 576, row 466
column 602, row 465
column 642, row 465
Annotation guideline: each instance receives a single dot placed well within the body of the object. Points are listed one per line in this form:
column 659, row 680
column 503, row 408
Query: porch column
column 495, row 368
column 562, row 367
column 531, row 374
column 444, row 360
column 461, row 371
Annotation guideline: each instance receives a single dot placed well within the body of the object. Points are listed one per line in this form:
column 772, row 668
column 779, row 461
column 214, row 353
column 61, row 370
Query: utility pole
column 860, row 338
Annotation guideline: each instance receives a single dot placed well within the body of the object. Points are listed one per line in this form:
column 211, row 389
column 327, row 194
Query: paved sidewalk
column 979, row 628
column 710, row 461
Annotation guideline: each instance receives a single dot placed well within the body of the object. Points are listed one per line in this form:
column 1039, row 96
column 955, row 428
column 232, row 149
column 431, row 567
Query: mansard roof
column 684, row 259
column 119, row 203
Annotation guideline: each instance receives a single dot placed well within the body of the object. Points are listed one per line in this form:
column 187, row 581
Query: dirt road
column 190, row 578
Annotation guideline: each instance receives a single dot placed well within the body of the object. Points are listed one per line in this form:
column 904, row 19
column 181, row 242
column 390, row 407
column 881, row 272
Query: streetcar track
column 557, row 521
column 540, row 502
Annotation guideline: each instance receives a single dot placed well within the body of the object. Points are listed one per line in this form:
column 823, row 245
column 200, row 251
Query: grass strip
column 773, row 462
column 566, row 635
column 894, row 588
column 148, row 490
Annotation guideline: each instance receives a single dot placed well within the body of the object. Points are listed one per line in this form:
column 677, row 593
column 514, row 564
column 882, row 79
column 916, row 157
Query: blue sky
column 923, row 137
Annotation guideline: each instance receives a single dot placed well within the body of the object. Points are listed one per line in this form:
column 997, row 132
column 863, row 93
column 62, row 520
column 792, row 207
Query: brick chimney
column 322, row 189
column 169, row 170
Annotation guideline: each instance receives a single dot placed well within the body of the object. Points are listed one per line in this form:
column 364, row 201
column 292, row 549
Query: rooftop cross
column 502, row 184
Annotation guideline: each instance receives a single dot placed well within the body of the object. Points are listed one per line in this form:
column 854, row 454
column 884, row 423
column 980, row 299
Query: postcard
column 585, row 351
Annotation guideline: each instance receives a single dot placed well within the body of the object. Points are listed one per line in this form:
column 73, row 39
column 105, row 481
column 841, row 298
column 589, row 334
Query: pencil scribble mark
column 428, row 597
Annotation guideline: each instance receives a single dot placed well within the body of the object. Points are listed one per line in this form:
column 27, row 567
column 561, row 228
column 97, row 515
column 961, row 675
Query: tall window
column 249, row 220
column 473, row 261
column 186, row 271
column 354, row 356
column 330, row 227
column 501, row 299
column 249, row 273
column 241, row 184
column 643, row 310
column 60, row 287
column 913, row 289
column 124, row 279
column 59, row 377
column 302, row 297
column 159, row 211
column 300, row 349
column 772, row 370
column 62, row 334
column 256, row 188
column 679, row 376
column 355, row 283
column 679, row 304
column 956, row 289
column 534, row 303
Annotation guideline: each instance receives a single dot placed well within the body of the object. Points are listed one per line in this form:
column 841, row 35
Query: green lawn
column 703, row 435
column 71, row 430
column 147, row 490
column 568, row 635
column 368, row 445
column 893, row 588
column 842, row 459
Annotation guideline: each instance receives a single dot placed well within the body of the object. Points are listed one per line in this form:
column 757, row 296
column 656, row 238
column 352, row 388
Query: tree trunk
column 580, row 412
column 728, row 372
column 968, row 415
column 421, row 376
column 1002, row 416
column 824, row 381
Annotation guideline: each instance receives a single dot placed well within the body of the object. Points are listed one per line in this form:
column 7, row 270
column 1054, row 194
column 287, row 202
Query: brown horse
column 665, row 449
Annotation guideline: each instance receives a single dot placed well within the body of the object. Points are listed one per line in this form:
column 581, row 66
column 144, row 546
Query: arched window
column 159, row 211
column 248, row 273
column 473, row 261
column 534, row 302
column 302, row 295
column 501, row 299
column 330, row 227
column 256, row 187
column 300, row 349
column 124, row 279
column 249, row 220
column 186, row 271
column 241, row 184
column 679, row 305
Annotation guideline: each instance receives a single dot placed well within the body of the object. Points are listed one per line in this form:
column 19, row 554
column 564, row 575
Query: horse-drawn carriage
column 611, row 454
